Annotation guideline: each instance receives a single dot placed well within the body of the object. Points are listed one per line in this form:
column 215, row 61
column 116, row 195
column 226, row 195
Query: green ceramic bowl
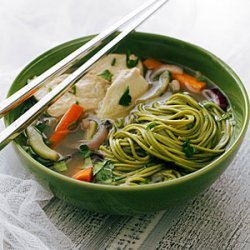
column 153, row 197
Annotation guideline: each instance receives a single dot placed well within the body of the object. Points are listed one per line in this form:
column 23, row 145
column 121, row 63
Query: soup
column 132, row 122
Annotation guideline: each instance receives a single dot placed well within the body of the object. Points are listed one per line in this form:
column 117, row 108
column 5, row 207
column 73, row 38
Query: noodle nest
column 165, row 140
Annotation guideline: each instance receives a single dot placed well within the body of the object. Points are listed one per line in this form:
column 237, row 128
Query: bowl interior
column 149, row 45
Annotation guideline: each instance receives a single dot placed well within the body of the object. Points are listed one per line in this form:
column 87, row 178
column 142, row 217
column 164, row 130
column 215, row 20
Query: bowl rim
column 152, row 186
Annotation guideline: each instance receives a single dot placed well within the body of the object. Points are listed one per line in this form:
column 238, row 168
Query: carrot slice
column 57, row 137
column 151, row 63
column 62, row 129
column 84, row 175
column 71, row 116
column 189, row 81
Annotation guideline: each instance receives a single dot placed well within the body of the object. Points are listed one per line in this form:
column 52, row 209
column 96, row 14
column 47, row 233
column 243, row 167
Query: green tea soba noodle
column 179, row 131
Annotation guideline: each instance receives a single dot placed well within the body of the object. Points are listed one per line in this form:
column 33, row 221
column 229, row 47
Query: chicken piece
column 105, row 63
column 129, row 78
column 90, row 90
column 60, row 107
column 46, row 88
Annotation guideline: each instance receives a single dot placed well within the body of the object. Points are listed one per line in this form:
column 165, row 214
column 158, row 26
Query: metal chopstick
column 14, row 129
column 28, row 90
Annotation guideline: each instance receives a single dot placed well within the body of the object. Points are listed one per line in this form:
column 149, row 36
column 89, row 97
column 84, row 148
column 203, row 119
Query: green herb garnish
column 131, row 61
column 150, row 125
column 187, row 148
column 105, row 173
column 113, row 62
column 77, row 102
column 97, row 167
column 84, row 150
column 49, row 89
column 126, row 98
column 107, row 75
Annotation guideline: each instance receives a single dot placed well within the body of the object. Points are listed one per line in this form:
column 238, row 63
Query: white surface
column 218, row 219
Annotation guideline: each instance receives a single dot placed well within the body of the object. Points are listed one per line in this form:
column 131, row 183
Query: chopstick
column 29, row 89
column 14, row 129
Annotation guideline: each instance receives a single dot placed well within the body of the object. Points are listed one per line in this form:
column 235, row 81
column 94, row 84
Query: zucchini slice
column 38, row 145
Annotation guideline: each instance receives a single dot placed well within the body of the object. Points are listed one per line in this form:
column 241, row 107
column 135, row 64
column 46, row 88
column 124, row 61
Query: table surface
column 219, row 218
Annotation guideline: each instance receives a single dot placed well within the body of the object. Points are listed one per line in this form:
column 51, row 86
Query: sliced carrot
column 84, row 175
column 151, row 63
column 57, row 137
column 189, row 81
column 62, row 129
column 71, row 116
